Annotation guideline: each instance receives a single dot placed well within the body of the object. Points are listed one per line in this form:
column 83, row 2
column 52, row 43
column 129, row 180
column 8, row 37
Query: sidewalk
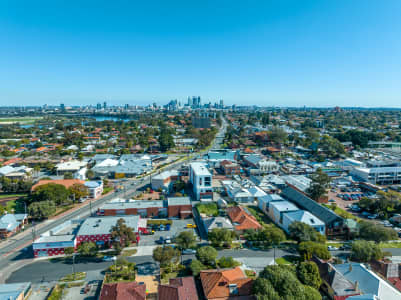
column 5, row 272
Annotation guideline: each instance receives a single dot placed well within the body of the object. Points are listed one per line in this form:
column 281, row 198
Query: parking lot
column 176, row 227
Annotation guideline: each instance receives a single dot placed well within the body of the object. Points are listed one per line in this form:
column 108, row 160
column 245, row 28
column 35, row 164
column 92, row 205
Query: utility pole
column 73, row 264
column 90, row 206
column 33, row 231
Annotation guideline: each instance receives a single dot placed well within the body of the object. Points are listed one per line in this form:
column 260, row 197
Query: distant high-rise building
column 104, row 104
column 126, row 106
column 221, row 103
column 98, row 106
column 62, row 107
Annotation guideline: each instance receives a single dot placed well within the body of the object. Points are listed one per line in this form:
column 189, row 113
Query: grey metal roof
column 323, row 213
column 253, row 159
column 103, row 225
column 13, row 290
column 178, row 201
column 133, row 204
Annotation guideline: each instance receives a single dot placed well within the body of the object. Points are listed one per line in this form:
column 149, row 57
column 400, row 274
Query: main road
column 17, row 247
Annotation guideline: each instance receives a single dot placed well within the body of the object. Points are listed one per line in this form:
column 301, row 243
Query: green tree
column 373, row 232
column 42, row 209
column 166, row 255
column 308, row 273
column 78, row 191
column 320, row 183
column 207, row 255
column 185, row 240
column 263, row 289
column 122, row 235
column 69, row 251
column 68, row 175
column 365, row 251
column 227, row 262
column 196, row 267
column 166, row 140
column 308, row 249
column 90, row 174
column 302, row 232
column 56, row 193
column 311, row 293
column 88, row 249
column 221, row 236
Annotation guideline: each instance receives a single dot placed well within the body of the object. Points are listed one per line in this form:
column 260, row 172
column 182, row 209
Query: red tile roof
column 123, row 291
column 182, row 288
column 244, row 220
column 216, row 283
column 66, row 182
column 12, row 161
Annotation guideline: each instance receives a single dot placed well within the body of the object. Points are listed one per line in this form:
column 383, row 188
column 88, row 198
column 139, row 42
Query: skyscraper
column 104, row 104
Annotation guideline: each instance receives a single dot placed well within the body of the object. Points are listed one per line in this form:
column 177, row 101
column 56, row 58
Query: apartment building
column 201, row 179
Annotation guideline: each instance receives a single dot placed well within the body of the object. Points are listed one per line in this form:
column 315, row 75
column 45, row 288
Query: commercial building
column 201, row 179
column 95, row 188
column 378, row 175
column 173, row 207
column 278, row 208
column 98, row 230
column 15, row 291
column 71, row 166
column 164, row 180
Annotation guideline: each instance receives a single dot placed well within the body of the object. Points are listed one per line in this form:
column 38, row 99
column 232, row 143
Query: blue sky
column 282, row 53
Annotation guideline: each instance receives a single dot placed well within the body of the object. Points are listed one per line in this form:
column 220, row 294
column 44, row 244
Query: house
column 304, row 217
column 98, row 230
column 164, row 180
column 277, row 209
column 15, row 291
column 71, row 166
column 123, row 291
column 11, row 224
column 21, row 172
column 242, row 219
column 236, row 192
column 95, row 188
column 230, row 168
column 181, row 288
column 201, row 179
column 65, row 182
column 334, row 224
column 210, row 223
column 226, row 284
column 368, row 282
column 263, row 202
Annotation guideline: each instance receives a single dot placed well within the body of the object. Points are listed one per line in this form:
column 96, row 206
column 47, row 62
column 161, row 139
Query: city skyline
column 286, row 54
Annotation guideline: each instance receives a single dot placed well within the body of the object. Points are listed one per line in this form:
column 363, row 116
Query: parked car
column 167, row 227
column 374, row 216
column 188, row 251
column 332, row 248
column 167, row 240
column 332, row 200
column 346, row 247
column 160, row 240
column 191, row 226
column 109, row 258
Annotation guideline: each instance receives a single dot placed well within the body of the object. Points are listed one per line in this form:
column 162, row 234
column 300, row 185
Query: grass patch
column 259, row 215
column 390, row 245
column 57, row 292
column 4, row 196
column 209, row 209
column 287, row 260
column 338, row 245
column 166, row 277
column 75, row 284
column 342, row 213
column 74, row 276
column 21, row 120
column 106, row 190
column 129, row 252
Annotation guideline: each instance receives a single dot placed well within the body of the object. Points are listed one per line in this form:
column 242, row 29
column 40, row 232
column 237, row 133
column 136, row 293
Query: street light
column 73, row 264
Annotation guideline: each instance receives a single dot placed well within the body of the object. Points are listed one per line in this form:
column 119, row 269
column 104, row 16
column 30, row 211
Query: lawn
column 4, row 196
column 106, row 190
column 342, row 213
column 16, row 205
column 57, row 292
column 209, row 209
column 129, row 252
column 390, row 245
column 287, row 260
column 22, row 120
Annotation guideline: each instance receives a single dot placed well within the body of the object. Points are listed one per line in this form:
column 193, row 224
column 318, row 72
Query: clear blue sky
column 286, row 53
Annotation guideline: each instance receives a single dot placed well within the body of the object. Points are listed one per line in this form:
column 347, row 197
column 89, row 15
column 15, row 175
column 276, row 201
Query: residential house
column 181, row 288
column 368, row 282
column 277, row 209
column 11, row 224
column 123, row 291
column 210, row 223
column 95, row 188
column 226, row 284
column 242, row 219
column 304, row 217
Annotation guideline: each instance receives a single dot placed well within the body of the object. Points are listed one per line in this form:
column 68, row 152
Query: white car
column 332, row 248
column 109, row 258
column 188, row 251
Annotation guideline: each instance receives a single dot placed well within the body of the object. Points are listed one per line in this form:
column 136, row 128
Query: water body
column 106, row 118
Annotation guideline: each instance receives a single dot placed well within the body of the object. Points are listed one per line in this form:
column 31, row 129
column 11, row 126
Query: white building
column 268, row 166
column 164, row 180
column 304, row 217
column 381, row 175
column 277, row 209
column 71, row 166
column 201, row 179
column 95, row 188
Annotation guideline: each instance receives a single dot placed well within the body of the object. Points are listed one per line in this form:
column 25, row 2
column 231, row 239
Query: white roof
column 369, row 282
column 304, row 217
column 108, row 162
column 200, row 169
column 283, row 206
column 71, row 165
column 256, row 191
